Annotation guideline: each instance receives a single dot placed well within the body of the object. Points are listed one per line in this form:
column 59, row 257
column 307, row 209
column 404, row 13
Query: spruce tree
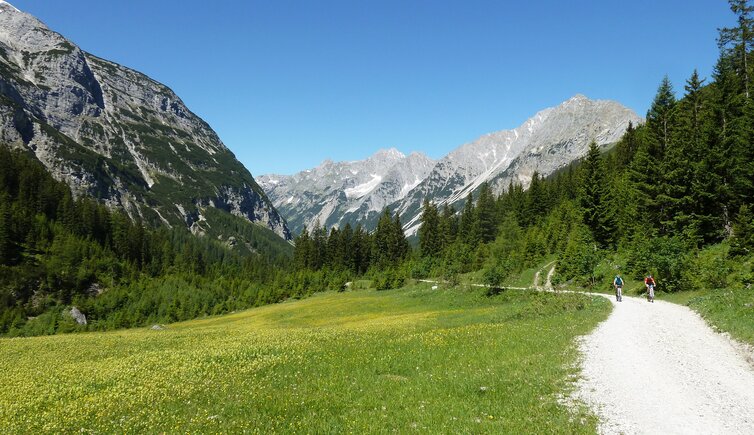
column 659, row 116
column 738, row 41
column 302, row 251
column 347, row 248
column 430, row 242
column 599, row 211
column 448, row 227
column 6, row 236
column 399, row 243
column 487, row 214
column 468, row 228
column 743, row 232
column 383, row 240
column 537, row 201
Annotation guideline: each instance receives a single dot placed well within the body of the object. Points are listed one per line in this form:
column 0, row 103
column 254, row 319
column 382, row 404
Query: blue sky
column 287, row 84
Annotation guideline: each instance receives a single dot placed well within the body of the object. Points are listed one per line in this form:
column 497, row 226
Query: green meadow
column 452, row 360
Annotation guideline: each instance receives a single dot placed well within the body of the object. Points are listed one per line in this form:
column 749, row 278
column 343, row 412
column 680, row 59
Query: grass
column 728, row 310
column 409, row 360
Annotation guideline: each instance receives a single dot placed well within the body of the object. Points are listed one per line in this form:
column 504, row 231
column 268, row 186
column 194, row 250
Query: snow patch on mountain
column 335, row 193
column 363, row 189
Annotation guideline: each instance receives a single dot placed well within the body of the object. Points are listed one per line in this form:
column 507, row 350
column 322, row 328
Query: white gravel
column 658, row 368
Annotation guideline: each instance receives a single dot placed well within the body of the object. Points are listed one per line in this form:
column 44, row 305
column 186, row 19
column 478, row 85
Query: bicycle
column 619, row 293
column 650, row 293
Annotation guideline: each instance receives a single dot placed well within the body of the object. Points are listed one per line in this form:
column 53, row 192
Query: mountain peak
column 5, row 4
column 390, row 153
column 579, row 97
column 113, row 133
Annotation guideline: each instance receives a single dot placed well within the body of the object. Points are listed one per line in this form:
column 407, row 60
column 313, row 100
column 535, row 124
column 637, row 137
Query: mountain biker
column 649, row 283
column 618, row 284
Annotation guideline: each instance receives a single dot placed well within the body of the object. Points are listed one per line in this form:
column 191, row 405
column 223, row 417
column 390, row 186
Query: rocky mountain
column 336, row 193
column 548, row 141
column 115, row 134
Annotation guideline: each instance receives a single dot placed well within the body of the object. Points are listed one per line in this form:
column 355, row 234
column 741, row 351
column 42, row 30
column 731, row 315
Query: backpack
column 618, row 280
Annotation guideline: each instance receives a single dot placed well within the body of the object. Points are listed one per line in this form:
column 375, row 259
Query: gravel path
column 658, row 368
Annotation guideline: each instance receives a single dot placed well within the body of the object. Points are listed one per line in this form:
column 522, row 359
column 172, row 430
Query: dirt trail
column 548, row 285
column 658, row 368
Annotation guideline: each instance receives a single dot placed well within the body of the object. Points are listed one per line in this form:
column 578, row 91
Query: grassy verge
column 365, row 361
column 728, row 310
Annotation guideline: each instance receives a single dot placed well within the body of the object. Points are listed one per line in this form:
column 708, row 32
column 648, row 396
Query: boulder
column 78, row 316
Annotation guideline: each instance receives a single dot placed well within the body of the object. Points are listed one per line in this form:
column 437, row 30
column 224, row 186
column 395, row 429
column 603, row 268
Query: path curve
column 659, row 368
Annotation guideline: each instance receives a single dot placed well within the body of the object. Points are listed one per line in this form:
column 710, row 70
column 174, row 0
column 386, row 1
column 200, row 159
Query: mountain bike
column 651, row 293
column 619, row 293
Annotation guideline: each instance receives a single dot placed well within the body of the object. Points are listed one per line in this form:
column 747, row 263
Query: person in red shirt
column 649, row 283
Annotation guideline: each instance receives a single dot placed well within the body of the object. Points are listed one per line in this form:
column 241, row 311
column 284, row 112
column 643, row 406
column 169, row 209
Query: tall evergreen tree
column 6, row 238
column 468, row 228
column 599, row 211
column 738, row 41
column 448, row 226
column 430, row 242
column 659, row 116
column 487, row 213
column 400, row 244
column 537, row 201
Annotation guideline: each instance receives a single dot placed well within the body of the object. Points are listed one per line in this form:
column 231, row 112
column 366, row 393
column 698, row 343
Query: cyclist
column 649, row 283
column 618, row 284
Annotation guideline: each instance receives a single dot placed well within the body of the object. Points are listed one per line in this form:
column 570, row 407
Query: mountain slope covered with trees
column 673, row 186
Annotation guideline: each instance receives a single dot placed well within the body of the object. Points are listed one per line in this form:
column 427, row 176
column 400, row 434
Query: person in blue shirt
column 618, row 284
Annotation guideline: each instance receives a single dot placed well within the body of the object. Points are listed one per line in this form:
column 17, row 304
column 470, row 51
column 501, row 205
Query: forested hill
column 680, row 182
column 57, row 251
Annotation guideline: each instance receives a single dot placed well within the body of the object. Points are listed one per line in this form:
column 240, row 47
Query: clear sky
column 287, row 84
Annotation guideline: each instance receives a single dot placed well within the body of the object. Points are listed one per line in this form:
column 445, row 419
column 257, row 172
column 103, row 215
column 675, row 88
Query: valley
column 150, row 284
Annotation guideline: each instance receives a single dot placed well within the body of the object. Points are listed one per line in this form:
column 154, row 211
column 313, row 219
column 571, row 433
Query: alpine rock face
column 117, row 135
column 550, row 140
column 334, row 194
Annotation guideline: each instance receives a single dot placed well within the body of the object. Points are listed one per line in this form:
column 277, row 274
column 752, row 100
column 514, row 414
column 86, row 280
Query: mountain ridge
column 549, row 140
column 115, row 134
column 336, row 193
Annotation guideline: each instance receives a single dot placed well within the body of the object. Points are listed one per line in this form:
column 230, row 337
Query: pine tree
column 659, row 116
column 6, row 236
column 627, row 146
column 399, row 242
column 319, row 246
column 347, row 247
column 430, row 242
column 383, row 241
column 738, row 41
column 334, row 250
column 537, row 201
column 599, row 211
column 448, row 227
column 487, row 213
column 743, row 232
column 468, row 228
column 362, row 250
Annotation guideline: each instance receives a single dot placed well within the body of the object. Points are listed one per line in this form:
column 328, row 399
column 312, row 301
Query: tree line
column 671, row 187
column 681, row 181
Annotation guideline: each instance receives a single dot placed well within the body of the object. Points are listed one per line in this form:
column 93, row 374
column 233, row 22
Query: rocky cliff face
column 334, row 194
column 115, row 134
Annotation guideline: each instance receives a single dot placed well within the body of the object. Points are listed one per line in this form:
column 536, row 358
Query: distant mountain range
column 115, row 134
column 335, row 193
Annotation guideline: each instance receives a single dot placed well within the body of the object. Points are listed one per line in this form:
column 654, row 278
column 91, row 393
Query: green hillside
column 416, row 359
